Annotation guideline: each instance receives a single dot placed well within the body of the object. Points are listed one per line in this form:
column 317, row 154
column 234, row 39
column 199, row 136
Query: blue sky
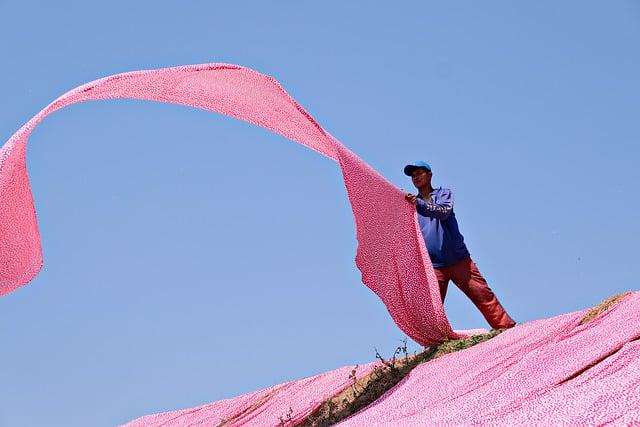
column 191, row 257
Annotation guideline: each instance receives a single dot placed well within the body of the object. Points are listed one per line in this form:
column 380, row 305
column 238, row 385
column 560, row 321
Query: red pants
column 467, row 277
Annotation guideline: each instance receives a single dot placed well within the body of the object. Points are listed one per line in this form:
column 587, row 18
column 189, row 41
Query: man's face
column 420, row 177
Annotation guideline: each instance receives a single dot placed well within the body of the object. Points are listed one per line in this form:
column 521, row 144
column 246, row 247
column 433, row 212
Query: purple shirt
column 440, row 228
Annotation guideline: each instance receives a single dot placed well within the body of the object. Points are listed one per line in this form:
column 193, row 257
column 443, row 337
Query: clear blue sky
column 190, row 257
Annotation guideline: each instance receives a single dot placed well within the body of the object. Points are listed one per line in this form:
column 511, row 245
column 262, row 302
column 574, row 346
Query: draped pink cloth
column 391, row 252
column 547, row 372
column 292, row 402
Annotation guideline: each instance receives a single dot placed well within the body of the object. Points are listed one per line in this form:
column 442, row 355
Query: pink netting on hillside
column 289, row 404
column 549, row 372
column 391, row 251
column 546, row 372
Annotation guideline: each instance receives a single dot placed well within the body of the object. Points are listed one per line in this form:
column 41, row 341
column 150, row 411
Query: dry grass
column 602, row 307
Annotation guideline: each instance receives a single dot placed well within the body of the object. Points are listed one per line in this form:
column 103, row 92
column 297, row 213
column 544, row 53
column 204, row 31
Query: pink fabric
column 293, row 402
column 391, row 252
column 538, row 373
column 549, row 372
column 214, row 413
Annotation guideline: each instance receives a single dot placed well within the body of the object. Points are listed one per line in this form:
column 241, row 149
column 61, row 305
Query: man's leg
column 467, row 277
column 443, row 281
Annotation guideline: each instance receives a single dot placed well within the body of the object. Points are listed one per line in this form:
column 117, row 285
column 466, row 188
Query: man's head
column 420, row 173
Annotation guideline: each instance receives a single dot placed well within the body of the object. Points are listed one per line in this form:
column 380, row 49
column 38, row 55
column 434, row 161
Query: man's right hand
column 411, row 198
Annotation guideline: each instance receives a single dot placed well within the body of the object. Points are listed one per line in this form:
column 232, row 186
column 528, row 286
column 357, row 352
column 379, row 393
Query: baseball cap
column 408, row 170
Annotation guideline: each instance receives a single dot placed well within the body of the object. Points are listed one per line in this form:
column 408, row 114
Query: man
column 449, row 255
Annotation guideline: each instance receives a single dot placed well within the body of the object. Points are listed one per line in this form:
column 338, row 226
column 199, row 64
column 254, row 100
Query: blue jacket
column 440, row 228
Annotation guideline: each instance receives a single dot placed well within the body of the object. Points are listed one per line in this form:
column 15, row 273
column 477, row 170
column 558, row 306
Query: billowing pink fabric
column 391, row 252
column 293, row 402
column 549, row 372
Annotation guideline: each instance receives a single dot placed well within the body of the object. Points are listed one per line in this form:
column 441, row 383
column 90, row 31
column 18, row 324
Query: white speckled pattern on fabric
column 293, row 402
column 549, row 372
column 391, row 252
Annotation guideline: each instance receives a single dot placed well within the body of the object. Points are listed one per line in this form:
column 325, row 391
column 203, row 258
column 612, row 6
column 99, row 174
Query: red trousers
column 467, row 277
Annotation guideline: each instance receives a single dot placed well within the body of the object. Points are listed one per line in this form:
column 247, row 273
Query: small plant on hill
column 287, row 419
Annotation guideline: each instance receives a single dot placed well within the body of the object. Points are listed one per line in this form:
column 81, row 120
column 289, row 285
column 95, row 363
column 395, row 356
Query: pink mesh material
column 291, row 402
column 391, row 252
column 548, row 372
column 213, row 413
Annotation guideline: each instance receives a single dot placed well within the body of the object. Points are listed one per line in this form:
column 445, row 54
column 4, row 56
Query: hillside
column 577, row 368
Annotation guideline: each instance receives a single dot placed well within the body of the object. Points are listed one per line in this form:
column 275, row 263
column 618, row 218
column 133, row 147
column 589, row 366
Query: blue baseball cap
column 408, row 170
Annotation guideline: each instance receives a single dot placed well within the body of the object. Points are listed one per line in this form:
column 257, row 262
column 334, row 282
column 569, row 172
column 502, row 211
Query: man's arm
column 440, row 210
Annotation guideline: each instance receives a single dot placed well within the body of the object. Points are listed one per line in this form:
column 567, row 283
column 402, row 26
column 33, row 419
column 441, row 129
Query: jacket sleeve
column 440, row 210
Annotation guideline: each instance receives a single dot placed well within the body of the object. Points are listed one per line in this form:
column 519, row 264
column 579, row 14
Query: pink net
column 548, row 372
column 391, row 252
column 287, row 404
